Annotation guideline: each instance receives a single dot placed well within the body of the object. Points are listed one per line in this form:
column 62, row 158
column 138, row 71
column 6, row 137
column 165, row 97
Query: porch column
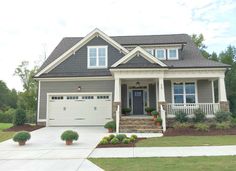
column 161, row 93
column 117, row 90
column 117, row 102
column 224, row 105
column 213, row 91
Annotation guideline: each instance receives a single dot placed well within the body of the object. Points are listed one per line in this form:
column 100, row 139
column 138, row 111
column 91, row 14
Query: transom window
column 97, row 56
column 160, row 53
column 173, row 54
column 184, row 92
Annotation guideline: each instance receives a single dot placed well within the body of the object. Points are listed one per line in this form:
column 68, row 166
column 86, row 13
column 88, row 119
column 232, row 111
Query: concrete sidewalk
column 130, row 152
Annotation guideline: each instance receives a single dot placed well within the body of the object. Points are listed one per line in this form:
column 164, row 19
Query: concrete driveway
column 45, row 151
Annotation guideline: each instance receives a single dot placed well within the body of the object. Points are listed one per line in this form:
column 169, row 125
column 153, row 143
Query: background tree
column 198, row 40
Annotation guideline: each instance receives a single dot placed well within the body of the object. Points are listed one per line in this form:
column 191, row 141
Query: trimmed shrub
column 201, row 127
column 107, row 138
column 21, row 136
column 181, row 116
column 69, row 135
column 110, row 124
column 30, row 116
column 126, row 141
column 179, row 125
column 223, row 125
column 134, row 136
column 19, row 117
column 158, row 119
column 115, row 141
column 111, row 136
column 223, row 116
column 155, row 113
column 103, row 142
column 126, row 110
column 132, row 139
column 149, row 109
column 199, row 115
column 120, row 137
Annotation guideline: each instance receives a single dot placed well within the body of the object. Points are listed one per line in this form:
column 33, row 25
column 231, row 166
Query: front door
column 137, row 102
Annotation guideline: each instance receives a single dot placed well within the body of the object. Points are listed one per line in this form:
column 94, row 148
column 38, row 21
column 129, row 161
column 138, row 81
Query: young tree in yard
column 198, row 40
column 27, row 98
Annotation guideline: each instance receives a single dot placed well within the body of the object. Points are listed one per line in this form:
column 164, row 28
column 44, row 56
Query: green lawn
column 178, row 141
column 5, row 135
column 226, row 163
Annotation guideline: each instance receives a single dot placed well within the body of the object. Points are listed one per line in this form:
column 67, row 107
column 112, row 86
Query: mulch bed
column 26, row 127
column 193, row 132
column 120, row 145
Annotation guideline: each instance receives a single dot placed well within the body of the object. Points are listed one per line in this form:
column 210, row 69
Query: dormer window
column 160, row 54
column 97, row 57
column 151, row 51
column 173, row 54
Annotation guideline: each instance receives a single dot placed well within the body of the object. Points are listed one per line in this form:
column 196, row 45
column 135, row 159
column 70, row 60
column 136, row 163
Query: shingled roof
column 189, row 57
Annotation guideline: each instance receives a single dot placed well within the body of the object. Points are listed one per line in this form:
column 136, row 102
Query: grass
column 178, row 141
column 5, row 135
column 225, row 163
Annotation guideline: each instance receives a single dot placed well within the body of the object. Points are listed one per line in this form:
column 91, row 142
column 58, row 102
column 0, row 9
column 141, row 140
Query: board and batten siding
column 71, row 87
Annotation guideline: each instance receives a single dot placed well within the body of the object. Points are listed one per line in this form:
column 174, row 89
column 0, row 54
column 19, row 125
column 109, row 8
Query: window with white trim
column 160, row 54
column 173, row 54
column 97, row 56
column 151, row 51
column 184, row 92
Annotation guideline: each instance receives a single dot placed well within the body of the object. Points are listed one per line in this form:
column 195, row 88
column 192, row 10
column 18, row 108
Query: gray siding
column 123, row 95
column 77, row 63
column 138, row 60
column 168, row 91
column 204, row 91
column 152, row 95
column 71, row 87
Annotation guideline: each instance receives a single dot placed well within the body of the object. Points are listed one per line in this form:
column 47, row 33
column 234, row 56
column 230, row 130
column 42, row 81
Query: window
column 87, row 97
column 184, row 92
column 151, row 51
column 173, row 54
column 160, row 53
column 57, row 98
column 97, row 56
column 102, row 97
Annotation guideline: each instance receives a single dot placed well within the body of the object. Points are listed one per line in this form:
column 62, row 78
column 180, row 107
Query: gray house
column 89, row 80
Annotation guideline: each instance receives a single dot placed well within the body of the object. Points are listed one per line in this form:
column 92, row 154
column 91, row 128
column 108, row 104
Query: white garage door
column 79, row 109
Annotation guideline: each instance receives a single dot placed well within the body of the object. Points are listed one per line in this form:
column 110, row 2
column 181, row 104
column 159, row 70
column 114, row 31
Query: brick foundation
column 224, row 106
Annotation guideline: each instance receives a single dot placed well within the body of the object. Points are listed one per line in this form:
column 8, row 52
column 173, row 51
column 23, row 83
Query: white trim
column 164, row 54
column 76, row 78
column 158, row 46
column 151, row 49
column 213, row 91
column 97, row 57
column 138, row 50
column 77, row 46
column 177, row 54
column 38, row 107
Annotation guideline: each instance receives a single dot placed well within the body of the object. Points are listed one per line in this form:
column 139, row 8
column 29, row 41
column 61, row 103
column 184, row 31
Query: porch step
column 138, row 125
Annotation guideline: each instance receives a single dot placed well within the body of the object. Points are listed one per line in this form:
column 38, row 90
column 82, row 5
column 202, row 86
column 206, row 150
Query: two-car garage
column 74, row 109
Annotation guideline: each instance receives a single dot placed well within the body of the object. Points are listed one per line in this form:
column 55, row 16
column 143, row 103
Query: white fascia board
column 76, row 78
column 77, row 46
column 145, row 54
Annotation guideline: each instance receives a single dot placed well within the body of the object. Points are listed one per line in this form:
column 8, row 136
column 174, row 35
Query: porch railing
column 189, row 108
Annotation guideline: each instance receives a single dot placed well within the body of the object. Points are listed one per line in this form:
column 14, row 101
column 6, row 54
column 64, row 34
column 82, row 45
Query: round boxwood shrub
column 111, row 136
column 199, row 115
column 155, row 113
column 134, row 136
column 201, row 127
column 126, row 141
column 110, row 125
column 115, row 140
column 223, row 125
column 69, row 135
column 21, row 137
column 132, row 139
column 126, row 111
column 181, row 116
column 103, row 142
column 120, row 137
column 223, row 116
column 107, row 138
column 19, row 117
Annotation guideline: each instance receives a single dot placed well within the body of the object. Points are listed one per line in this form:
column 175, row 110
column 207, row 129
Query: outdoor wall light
column 79, row 88
column 137, row 84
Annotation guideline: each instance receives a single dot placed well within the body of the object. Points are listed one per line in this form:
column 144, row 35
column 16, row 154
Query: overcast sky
column 28, row 28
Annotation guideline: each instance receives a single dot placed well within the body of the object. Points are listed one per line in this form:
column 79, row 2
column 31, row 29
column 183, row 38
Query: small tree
column 19, row 117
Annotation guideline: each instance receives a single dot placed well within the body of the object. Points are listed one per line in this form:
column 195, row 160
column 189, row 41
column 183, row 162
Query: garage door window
column 57, row 97
column 87, row 97
column 102, row 97
column 72, row 97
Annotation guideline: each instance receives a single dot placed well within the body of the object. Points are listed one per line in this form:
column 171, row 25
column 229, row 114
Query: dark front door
column 137, row 102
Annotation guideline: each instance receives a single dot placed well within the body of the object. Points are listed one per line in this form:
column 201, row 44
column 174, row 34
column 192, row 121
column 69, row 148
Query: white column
column 161, row 90
column 213, row 91
column 222, row 90
column 157, row 98
column 117, row 90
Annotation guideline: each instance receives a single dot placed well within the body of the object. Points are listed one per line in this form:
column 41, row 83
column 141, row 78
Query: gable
column 76, row 64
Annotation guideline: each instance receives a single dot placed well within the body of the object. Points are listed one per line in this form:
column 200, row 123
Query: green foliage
column 223, row 116
column 126, row 141
column 149, row 109
column 21, row 136
column 134, row 136
column 7, row 116
column 120, row 137
column 223, row 125
column 19, row 117
column 132, row 139
column 155, row 113
column 69, row 135
column 181, row 116
column 199, row 115
column 179, row 125
column 214, row 57
column 110, row 124
column 201, row 127
column 126, row 110
column 104, row 142
column 228, row 56
column 158, row 119
column 107, row 138
column 8, row 98
column 115, row 141
column 198, row 41
column 111, row 136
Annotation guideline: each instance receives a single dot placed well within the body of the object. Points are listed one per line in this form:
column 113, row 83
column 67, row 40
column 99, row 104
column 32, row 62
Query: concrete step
column 141, row 130
column 138, row 126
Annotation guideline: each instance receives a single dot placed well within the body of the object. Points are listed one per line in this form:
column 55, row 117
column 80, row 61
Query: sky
column 30, row 30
